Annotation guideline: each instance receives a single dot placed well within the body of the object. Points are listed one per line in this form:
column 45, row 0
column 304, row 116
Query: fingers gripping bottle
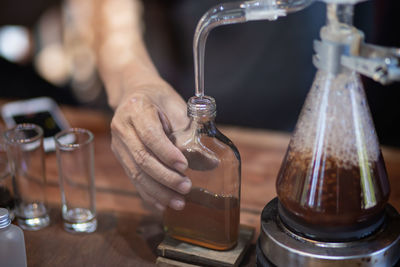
column 210, row 217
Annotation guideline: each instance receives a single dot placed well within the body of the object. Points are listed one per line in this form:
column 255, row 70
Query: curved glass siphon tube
column 232, row 13
column 229, row 13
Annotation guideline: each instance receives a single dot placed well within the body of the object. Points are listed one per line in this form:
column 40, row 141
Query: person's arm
column 121, row 52
column 146, row 108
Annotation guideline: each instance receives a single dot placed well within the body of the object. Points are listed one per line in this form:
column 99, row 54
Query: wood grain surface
column 129, row 232
column 171, row 248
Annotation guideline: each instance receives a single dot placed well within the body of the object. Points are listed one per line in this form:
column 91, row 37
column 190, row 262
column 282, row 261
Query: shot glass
column 75, row 159
column 6, row 190
column 24, row 144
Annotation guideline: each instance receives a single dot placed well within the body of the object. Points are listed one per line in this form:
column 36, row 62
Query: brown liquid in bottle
column 207, row 220
column 326, row 199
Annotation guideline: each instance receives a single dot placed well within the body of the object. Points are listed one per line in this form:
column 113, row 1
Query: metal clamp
column 379, row 63
column 328, row 56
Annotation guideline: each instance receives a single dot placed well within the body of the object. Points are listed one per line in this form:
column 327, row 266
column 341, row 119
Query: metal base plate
column 285, row 248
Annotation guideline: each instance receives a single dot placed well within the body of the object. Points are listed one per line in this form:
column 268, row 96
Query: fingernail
column 180, row 166
column 185, row 186
column 159, row 206
column 177, row 204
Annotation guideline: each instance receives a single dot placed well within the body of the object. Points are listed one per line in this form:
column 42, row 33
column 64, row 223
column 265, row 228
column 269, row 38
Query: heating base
column 278, row 246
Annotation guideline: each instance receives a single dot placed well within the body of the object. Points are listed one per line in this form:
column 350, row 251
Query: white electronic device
column 42, row 111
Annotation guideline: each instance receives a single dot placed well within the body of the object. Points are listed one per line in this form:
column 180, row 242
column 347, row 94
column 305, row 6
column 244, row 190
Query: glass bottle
column 211, row 214
column 12, row 244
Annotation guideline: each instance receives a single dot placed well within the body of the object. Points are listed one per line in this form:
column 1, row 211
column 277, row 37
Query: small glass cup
column 25, row 152
column 75, row 158
column 6, row 191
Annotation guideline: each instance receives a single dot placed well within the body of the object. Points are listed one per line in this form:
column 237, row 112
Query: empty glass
column 75, row 158
column 6, row 191
column 25, row 151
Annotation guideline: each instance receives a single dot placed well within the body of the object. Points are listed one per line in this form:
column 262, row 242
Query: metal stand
column 278, row 246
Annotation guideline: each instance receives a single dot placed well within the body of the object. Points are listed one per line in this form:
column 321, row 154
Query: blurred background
column 259, row 72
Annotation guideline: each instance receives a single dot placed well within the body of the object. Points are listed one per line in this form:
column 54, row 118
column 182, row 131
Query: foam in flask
column 12, row 244
column 333, row 182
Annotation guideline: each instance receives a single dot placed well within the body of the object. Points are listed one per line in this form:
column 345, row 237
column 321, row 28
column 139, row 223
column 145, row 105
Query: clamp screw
column 380, row 75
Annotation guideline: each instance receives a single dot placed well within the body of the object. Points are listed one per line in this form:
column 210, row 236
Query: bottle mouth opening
column 203, row 106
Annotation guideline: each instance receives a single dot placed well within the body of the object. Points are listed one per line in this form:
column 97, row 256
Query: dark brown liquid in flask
column 212, row 211
column 207, row 220
column 332, row 184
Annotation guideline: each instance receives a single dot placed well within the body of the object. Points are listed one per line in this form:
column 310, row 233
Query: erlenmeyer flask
column 332, row 184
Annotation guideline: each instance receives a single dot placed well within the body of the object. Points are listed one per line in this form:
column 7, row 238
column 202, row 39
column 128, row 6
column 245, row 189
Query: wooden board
column 198, row 256
column 164, row 262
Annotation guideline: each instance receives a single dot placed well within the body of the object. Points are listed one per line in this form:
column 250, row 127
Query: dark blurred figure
column 21, row 80
column 384, row 99
column 47, row 28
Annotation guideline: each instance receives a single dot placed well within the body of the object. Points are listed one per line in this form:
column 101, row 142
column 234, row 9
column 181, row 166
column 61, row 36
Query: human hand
column 142, row 121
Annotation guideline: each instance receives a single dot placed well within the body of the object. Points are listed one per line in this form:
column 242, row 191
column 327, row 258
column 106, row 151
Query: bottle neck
column 202, row 112
column 201, row 109
column 338, row 38
column 204, row 126
column 340, row 14
column 5, row 220
column 339, row 24
column 203, row 120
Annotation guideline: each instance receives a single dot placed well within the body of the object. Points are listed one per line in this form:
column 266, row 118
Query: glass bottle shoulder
column 11, row 233
column 203, row 142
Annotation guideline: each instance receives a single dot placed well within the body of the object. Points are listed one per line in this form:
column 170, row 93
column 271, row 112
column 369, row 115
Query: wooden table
column 128, row 233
